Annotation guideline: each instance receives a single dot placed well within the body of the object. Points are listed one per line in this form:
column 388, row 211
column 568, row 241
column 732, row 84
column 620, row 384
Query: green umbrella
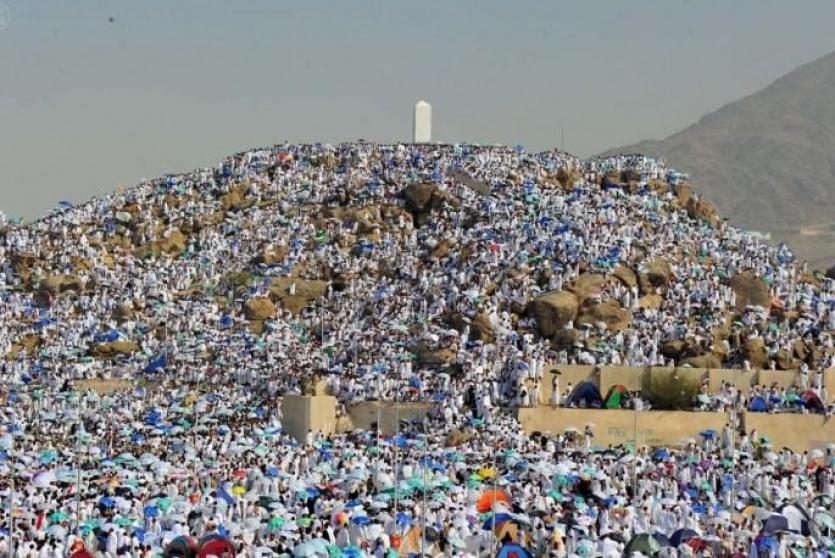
column 276, row 523
column 644, row 543
column 304, row 521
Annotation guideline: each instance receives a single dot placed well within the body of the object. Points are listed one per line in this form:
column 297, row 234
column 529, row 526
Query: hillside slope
column 768, row 161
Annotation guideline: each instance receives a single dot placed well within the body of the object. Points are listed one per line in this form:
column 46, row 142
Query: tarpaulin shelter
column 615, row 396
column 181, row 547
column 758, row 405
column 585, row 394
column 215, row 545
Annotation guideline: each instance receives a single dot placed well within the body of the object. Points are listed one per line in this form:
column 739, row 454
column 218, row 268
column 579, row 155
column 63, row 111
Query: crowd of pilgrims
column 150, row 285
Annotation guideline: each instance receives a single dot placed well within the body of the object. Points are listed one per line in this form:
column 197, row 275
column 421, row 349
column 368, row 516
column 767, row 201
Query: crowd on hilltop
column 394, row 272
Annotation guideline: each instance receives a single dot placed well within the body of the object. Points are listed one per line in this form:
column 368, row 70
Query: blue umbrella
column 661, row 453
column 708, row 434
column 775, row 523
column 513, row 550
column 107, row 502
column 272, row 471
column 361, row 520
column 403, row 519
column 151, row 511
column 500, row 517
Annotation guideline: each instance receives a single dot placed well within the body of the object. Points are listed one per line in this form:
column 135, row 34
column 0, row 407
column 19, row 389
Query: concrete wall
column 630, row 376
column 611, row 427
column 301, row 413
column 795, row 431
column 363, row 415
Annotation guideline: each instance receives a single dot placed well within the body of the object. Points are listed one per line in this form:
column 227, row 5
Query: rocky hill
column 403, row 267
column 768, row 161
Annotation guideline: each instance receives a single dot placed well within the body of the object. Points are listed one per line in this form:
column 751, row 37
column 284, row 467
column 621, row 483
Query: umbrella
column 512, row 550
column 774, row 523
column 489, row 497
column 643, row 543
column 682, row 536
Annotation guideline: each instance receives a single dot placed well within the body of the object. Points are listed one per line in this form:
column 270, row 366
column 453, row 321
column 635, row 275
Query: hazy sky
column 87, row 104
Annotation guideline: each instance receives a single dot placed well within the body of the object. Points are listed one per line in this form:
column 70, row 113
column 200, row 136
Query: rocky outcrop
column 553, row 311
column 294, row 293
column 608, row 312
column 259, row 309
column 755, row 352
column 114, row 349
column 750, row 291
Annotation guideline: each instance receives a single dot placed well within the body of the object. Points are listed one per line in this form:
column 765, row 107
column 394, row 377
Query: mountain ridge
column 767, row 160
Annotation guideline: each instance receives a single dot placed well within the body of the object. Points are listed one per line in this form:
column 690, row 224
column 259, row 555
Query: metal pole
column 11, row 498
column 493, row 519
column 733, row 444
column 423, row 506
column 635, row 453
column 396, row 434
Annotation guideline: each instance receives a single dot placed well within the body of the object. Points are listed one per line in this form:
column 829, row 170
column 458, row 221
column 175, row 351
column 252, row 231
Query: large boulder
column 418, row 197
column 702, row 210
column 565, row 339
column 114, row 349
column 608, row 312
column 294, row 293
column 625, row 276
column 481, row 328
column 480, row 188
column 174, row 243
column 586, row 285
column 421, row 199
column 271, row 255
column 651, row 301
column 683, row 193
column 658, row 272
column 61, row 283
column 553, row 310
column 708, row 360
column 259, row 309
column 785, row 360
column 434, row 357
column 235, row 198
column 755, row 352
column 672, row 348
column 750, row 290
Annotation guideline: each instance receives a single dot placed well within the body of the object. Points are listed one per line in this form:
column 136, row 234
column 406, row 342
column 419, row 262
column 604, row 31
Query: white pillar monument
column 423, row 122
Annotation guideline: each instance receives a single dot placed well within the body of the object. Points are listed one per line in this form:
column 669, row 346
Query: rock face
column 659, row 273
column 481, row 329
column 306, row 291
column 625, row 275
column 755, row 352
column 553, row 311
column 57, row 284
column 421, row 199
column 709, row 360
column 750, row 291
column 564, row 339
column 702, row 210
column 586, row 285
column 259, row 309
column 270, row 256
column 480, row 188
column 651, row 301
column 114, row 349
column 608, row 312
column 434, row 357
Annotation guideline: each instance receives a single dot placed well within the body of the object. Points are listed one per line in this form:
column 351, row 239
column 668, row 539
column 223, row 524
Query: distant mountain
column 768, row 161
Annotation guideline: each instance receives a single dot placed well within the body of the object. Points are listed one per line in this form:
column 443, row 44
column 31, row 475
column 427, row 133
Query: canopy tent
column 615, row 396
column 585, row 394
column 758, row 405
